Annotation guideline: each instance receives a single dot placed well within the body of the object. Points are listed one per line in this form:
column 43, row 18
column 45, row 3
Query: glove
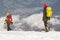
column 4, row 23
column 11, row 22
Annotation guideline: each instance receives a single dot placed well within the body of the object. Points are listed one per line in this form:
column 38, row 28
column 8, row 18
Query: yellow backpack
column 49, row 11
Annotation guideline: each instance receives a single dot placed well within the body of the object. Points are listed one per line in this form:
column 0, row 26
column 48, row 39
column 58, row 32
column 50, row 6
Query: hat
column 44, row 5
column 7, row 14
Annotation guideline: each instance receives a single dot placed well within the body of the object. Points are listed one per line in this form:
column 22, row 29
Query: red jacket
column 9, row 19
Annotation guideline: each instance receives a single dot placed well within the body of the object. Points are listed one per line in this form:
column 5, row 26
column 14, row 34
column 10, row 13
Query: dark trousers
column 45, row 23
column 8, row 27
column 45, row 20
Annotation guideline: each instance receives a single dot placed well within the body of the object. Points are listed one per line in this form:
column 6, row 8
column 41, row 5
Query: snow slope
column 11, row 35
column 26, row 28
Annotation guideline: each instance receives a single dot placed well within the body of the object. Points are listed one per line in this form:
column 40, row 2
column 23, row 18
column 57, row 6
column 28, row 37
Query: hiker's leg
column 46, row 27
column 8, row 27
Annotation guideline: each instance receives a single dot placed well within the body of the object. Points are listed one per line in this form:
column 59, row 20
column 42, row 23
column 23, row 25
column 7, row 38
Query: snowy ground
column 11, row 35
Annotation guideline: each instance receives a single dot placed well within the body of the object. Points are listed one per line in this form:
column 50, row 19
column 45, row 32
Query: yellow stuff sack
column 49, row 11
